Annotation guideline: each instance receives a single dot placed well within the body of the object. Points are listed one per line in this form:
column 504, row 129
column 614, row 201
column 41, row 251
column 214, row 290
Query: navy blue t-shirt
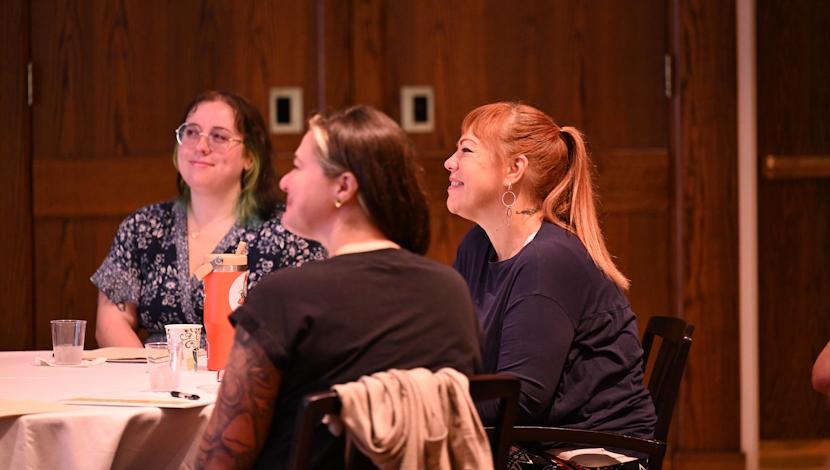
column 553, row 319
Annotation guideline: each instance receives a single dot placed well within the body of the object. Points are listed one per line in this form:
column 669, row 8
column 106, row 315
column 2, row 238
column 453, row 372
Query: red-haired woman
column 547, row 294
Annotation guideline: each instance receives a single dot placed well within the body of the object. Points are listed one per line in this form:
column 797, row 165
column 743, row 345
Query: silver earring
column 510, row 196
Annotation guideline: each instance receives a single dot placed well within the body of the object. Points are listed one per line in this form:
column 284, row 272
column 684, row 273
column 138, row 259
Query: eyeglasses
column 219, row 140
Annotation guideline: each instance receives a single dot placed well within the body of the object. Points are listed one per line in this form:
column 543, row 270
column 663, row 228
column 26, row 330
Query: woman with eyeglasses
column 227, row 194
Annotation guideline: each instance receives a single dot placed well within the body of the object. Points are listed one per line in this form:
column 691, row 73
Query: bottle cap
column 218, row 261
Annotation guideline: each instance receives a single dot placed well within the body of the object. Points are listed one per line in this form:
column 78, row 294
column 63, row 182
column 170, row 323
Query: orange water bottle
column 226, row 285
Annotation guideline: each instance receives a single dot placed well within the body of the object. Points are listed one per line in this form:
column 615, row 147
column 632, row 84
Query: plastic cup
column 164, row 366
column 68, row 341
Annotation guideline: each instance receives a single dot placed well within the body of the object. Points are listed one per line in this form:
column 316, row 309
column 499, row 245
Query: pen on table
column 189, row 396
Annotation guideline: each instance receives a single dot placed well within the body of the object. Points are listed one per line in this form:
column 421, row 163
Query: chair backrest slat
column 664, row 381
column 505, row 389
column 313, row 408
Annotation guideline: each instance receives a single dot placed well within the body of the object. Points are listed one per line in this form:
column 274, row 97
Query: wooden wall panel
column 542, row 52
column 114, row 77
column 15, row 179
column 793, row 216
column 89, row 188
column 68, row 252
column 706, row 163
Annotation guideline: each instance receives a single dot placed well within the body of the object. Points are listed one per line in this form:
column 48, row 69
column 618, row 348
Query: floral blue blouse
column 148, row 263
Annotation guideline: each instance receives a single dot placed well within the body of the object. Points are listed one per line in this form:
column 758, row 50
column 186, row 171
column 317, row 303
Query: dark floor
column 813, row 454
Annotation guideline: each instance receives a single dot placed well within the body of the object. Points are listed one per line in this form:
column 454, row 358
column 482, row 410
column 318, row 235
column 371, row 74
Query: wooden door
column 793, row 213
column 594, row 65
column 15, row 204
column 111, row 81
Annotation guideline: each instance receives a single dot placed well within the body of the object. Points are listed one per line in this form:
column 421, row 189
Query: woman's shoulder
column 269, row 228
column 297, row 279
column 563, row 269
column 553, row 263
column 271, row 237
column 272, row 247
column 152, row 215
column 270, row 223
column 554, row 244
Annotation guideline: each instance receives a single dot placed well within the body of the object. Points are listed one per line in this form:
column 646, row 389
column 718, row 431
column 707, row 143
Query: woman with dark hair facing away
column 227, row 194
column 547, row 294
column 374, row 305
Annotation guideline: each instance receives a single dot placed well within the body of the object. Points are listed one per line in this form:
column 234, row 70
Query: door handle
column 796, row 166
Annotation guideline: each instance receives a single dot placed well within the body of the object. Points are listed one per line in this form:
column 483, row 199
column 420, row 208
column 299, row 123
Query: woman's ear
column 516, row 167
column 346, row 187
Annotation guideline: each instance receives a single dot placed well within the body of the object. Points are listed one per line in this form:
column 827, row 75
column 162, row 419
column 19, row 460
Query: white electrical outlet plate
column 285, row 107
column 417, row 109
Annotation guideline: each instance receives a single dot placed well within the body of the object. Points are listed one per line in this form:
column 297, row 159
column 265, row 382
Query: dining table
column 99, row 415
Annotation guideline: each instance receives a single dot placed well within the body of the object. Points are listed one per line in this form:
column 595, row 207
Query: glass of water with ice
column 164, row 361
column 68, row 341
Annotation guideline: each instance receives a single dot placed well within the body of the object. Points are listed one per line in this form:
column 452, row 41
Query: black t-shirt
column 554, row 320
column 333, row 321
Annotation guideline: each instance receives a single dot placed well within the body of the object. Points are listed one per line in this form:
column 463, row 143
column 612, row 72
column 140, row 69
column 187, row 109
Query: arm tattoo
column 244, row 408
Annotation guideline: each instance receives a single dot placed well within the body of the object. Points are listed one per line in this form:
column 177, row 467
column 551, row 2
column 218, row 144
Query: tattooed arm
column 244, row 408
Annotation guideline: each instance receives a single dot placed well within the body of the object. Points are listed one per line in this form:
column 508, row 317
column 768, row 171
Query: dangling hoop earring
column 508, row 195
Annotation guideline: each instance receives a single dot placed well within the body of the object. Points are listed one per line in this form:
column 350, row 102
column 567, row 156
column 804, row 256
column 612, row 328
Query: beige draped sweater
column 415, row 419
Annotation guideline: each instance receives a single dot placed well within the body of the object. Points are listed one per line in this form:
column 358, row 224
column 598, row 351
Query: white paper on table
column 157, row 399
column 118, row 354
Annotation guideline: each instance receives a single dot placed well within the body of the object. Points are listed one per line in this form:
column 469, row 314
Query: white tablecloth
column 95, row 437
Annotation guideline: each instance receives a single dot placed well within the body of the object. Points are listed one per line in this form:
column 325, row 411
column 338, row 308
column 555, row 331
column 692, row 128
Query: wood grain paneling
column 335, row 70
column 84, row 188
column 68, row 252
column 15, row 180
column 115, row 76
column 706, row 159
column 541, row 52
column 793, row 216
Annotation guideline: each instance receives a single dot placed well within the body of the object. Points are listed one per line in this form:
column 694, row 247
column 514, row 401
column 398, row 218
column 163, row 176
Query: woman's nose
column 450, row 163
column 282, row 184
column 202, row 145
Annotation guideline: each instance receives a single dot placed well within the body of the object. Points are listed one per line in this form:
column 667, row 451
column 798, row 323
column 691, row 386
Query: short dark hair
column 259, row 188
column 371, row 145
